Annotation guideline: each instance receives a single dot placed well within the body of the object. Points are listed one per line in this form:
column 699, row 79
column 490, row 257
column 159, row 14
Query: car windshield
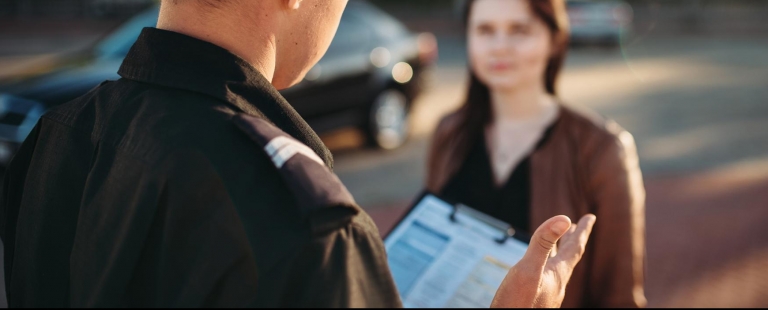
column 117, row 44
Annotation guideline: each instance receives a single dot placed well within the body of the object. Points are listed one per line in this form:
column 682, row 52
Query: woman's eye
column 521, row 29
column 485, row 30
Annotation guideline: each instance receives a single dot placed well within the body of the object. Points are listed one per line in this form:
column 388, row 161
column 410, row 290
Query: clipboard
column 448, row 255
column 507, row 231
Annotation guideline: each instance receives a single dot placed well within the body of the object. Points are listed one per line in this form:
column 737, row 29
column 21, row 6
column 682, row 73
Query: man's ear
column 293, row 4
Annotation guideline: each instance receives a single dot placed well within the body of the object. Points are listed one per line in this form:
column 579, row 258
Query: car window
column 117, row 44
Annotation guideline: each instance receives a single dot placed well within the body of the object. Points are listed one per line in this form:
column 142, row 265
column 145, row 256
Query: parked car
column 601, row 22
column 369, row 78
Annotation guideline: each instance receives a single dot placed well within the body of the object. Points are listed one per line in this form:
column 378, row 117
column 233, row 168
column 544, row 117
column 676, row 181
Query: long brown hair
column 475, row 113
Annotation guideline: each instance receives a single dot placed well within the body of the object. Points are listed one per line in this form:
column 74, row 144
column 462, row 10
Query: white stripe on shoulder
column 282, row 149
column 276, row 144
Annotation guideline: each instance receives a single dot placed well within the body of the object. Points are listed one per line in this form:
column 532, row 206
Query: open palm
column 539, row 279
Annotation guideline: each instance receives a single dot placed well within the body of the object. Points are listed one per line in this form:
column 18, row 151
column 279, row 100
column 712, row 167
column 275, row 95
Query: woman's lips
column 501, row 66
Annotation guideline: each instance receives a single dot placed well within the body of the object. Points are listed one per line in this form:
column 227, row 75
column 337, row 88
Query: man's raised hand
column 538, row 280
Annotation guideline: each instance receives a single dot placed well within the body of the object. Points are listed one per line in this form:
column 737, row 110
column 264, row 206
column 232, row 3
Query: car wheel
column 388, row 125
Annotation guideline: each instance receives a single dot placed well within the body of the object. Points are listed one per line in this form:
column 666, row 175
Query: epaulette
column 321, row 196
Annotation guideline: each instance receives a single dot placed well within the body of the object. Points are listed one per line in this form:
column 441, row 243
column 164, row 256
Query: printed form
column 437, row 262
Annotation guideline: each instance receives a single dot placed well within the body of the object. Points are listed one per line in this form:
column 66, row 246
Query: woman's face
column 508, row 46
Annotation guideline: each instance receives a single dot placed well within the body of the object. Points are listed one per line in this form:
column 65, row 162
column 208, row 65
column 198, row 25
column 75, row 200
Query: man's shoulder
column 318, row 192
column 151, row 122
column 174, row 135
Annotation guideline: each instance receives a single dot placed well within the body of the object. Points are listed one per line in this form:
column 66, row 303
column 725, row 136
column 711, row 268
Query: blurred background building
column 689, row 79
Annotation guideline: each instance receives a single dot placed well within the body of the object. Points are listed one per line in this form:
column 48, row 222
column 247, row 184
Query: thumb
column 544, row 240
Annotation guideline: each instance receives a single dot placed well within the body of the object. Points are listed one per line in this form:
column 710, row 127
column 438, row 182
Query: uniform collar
column 175, row 60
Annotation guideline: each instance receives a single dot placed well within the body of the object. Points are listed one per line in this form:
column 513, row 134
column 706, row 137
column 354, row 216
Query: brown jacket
column 588, row 165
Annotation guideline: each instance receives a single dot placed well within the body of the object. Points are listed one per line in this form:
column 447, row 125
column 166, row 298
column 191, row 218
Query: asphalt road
column 698, row 108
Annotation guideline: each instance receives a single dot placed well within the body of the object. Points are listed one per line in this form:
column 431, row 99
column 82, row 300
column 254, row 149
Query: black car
column 372, row 72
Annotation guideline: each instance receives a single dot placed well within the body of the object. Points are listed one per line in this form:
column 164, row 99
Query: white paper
column 439, row 263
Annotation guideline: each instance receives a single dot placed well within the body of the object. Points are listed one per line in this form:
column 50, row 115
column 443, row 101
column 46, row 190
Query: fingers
column 553, row 253
column 573, row 226
column 572, row 250
column 587, row 222
column 544, row 240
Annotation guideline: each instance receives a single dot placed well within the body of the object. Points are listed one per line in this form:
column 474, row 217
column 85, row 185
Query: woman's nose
column 502, row 44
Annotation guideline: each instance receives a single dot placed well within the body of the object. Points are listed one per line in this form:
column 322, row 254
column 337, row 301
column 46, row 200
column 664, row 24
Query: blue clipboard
column 447, row 255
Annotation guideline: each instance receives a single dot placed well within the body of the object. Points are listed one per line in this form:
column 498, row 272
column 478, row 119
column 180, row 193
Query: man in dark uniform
column 191, row 182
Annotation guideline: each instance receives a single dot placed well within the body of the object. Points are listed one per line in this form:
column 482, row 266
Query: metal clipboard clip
column 505, row 230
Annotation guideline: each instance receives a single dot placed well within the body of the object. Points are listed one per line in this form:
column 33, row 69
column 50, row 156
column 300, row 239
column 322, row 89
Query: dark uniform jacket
column 188, row 182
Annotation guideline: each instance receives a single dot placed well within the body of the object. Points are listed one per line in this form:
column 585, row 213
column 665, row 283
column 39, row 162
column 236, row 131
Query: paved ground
column 697, row 108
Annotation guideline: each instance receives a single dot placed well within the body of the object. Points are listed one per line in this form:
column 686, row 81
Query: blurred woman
column 515, row 152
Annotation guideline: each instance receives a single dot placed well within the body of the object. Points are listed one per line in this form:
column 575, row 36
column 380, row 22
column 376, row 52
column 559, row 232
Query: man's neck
column 256, row 45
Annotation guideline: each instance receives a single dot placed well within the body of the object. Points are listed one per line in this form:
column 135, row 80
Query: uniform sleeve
column 345, row 267
column 618, row 238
